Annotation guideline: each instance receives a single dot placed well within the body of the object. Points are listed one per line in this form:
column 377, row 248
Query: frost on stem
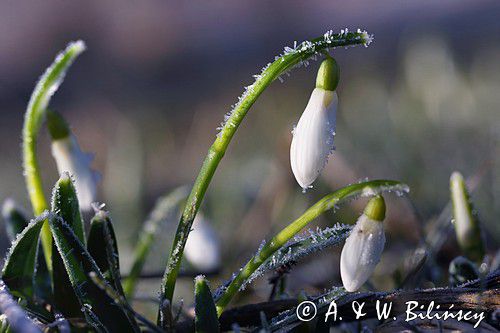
column 304, row 51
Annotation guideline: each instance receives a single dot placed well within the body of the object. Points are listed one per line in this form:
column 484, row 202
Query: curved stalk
column 33, row 119
column 328, row 202
column 290, row 58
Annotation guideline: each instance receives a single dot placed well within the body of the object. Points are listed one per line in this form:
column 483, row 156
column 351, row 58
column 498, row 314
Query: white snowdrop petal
column 361, row 253
column 202, row 248
column 312, row 140
column 70, row 158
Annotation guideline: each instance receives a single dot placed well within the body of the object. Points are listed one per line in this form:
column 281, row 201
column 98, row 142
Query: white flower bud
column 363, row 248
column 202, row 248
column 70, row 158
column 312, row 140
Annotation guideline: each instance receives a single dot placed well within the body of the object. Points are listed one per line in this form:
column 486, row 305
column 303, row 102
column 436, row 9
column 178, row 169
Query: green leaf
column 65, row 205
column 19, row 267
column 102, row 246
column 206, row 320
column 15, row 219
column 163, row 209
column 33, row 119
column 17, row 318
column 100, row 310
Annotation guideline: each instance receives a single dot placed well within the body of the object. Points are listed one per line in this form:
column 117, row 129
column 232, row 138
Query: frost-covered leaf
column 65, row 205
column 100, row 310
column 300, row 247
column 206, row 320
column 16, row 317
column 103, row 247
column 19, row 268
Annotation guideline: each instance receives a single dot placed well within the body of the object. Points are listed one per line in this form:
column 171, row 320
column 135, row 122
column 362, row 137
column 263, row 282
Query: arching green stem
column 290, row 58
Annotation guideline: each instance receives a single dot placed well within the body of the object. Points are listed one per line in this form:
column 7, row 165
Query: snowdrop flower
column 70, row 158
column 202, row 248
column 312, row 140
column 363, row 248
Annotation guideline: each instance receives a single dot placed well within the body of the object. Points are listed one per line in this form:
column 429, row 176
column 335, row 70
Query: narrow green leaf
column 17, row 318
column 163, row 209
column 15, row 219
column 206, row 320
column 65, row 205
column 100, row 310
column 19, row 267
column 102, row 246
column 33, row 119
column 466, row 222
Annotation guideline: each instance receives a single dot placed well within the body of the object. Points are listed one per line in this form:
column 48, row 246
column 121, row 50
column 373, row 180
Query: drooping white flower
column 313, row 136
column 70, row 158
column 202, row 248
column 363, row 248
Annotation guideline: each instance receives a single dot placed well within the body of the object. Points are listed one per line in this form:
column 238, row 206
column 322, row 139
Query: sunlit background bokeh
column 421, row 102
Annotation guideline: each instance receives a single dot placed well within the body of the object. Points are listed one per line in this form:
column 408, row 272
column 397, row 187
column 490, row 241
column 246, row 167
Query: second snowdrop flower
column 70, row 158
column 312, row 140
column 363, row 248
column 202, row 248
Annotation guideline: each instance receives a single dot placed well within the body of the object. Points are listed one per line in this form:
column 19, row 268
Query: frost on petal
column 202, row 248
column 361, row 253
column 313, row 136
column 70, row 158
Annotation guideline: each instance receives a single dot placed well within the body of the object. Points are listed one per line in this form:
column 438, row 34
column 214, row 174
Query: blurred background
column 147, row 96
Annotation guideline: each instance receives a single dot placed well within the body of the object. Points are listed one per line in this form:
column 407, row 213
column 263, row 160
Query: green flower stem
column 289, row 59
column 34, row 116
column 327, row 203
